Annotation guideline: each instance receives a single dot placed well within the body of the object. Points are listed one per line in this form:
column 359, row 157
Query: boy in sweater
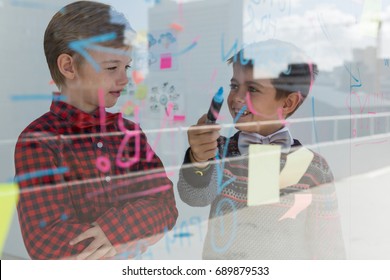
column 270, row 81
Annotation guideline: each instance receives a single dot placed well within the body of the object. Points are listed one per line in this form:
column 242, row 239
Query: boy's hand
column 99, row 248
column 202, row 138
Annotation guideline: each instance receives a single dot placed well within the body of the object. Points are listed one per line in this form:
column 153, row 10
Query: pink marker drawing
column 103, row 164
column 254, row 112
column 102, row 111
column 302, row 201
column 128, row 135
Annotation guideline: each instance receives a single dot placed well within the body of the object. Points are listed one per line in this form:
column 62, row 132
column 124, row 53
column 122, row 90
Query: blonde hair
column 77, row 21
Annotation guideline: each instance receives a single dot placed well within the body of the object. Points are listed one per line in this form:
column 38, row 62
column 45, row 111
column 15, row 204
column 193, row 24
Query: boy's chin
column 246, row 127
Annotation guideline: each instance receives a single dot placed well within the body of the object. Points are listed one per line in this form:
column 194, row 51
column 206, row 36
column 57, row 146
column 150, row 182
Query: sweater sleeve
column 194, row 189
column 323, row 226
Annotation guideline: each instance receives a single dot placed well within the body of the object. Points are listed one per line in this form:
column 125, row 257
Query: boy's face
column 259, row 96
column 110, row 78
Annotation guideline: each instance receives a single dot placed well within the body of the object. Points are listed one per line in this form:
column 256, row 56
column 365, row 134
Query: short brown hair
column 298, row 76
column 81, row 20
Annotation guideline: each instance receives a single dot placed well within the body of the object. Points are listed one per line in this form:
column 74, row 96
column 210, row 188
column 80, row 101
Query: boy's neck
column 77, row 101
column 270, row 131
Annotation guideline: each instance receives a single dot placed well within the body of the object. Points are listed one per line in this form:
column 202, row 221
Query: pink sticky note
column 302, row 201
column 179, row 118
column 165, row 61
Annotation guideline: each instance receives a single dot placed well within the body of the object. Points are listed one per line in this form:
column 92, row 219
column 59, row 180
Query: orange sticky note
column 9, row 195
column 302, row 201
column 176, row 26
column 138, row 77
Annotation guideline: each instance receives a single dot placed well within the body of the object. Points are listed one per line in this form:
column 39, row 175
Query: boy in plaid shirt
column 91, row 186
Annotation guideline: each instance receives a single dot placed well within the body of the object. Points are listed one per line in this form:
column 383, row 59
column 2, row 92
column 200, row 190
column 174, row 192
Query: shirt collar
column 75, row 116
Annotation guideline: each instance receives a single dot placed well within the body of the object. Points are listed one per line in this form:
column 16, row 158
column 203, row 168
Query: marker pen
column 215, row 106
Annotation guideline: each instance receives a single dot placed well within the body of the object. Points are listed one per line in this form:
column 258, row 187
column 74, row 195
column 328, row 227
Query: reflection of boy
column 87, row 190
column 235, row 230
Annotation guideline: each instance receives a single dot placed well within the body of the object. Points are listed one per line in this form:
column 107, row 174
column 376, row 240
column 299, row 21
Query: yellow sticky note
column 296, row 165
column 141, row 92
column 263, row 174
column 9, row 195
column 371, row 16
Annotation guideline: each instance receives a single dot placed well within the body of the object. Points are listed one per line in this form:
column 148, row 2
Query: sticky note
column 263, row 174
column 165, row 61
column 179, row 118
column 301, row 202
column 141, row 92
column 141, row 37
column 138, row 77
column 9, row 195
column 176, row 26
column 296, row 165
column 128, row 108
column 369, row 22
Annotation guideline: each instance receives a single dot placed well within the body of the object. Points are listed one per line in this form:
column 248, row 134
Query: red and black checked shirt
column 64, row 190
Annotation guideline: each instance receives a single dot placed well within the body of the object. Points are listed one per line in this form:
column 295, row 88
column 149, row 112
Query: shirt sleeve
column 46, row 215
column 148, row 212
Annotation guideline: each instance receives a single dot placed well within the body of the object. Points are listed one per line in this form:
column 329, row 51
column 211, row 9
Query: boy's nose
column 240, row 96
column 123, row 79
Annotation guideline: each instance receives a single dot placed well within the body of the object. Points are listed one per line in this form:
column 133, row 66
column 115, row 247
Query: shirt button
column 100, row 145
column 108, row 178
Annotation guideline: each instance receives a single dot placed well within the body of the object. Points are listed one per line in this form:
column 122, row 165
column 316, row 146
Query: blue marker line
column 187, row 49
column 33, row 4
column 220, row 168
column 353, row 77
column 220, row 214
column 182, row 235
column 314, row 120
column 80, row 46
column 41, row 173
column 30, row 97
column 108, row 50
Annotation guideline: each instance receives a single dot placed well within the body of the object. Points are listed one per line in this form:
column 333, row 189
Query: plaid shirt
column 72, row 172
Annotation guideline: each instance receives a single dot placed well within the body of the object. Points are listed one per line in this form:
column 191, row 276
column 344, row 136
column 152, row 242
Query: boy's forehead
column 245, row 74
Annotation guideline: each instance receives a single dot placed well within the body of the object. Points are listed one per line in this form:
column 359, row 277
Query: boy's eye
column 252, row 89
column 233, row 86
column 111, row 68
column 127, row 67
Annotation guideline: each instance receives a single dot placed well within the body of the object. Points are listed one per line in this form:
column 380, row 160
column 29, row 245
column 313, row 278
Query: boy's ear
column 291, row 103
column 66, row 65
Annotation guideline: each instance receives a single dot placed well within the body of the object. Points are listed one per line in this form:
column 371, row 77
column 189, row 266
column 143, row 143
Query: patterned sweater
column 236, row 231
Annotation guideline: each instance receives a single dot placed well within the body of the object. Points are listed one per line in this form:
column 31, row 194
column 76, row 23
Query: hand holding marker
column 215, row 106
